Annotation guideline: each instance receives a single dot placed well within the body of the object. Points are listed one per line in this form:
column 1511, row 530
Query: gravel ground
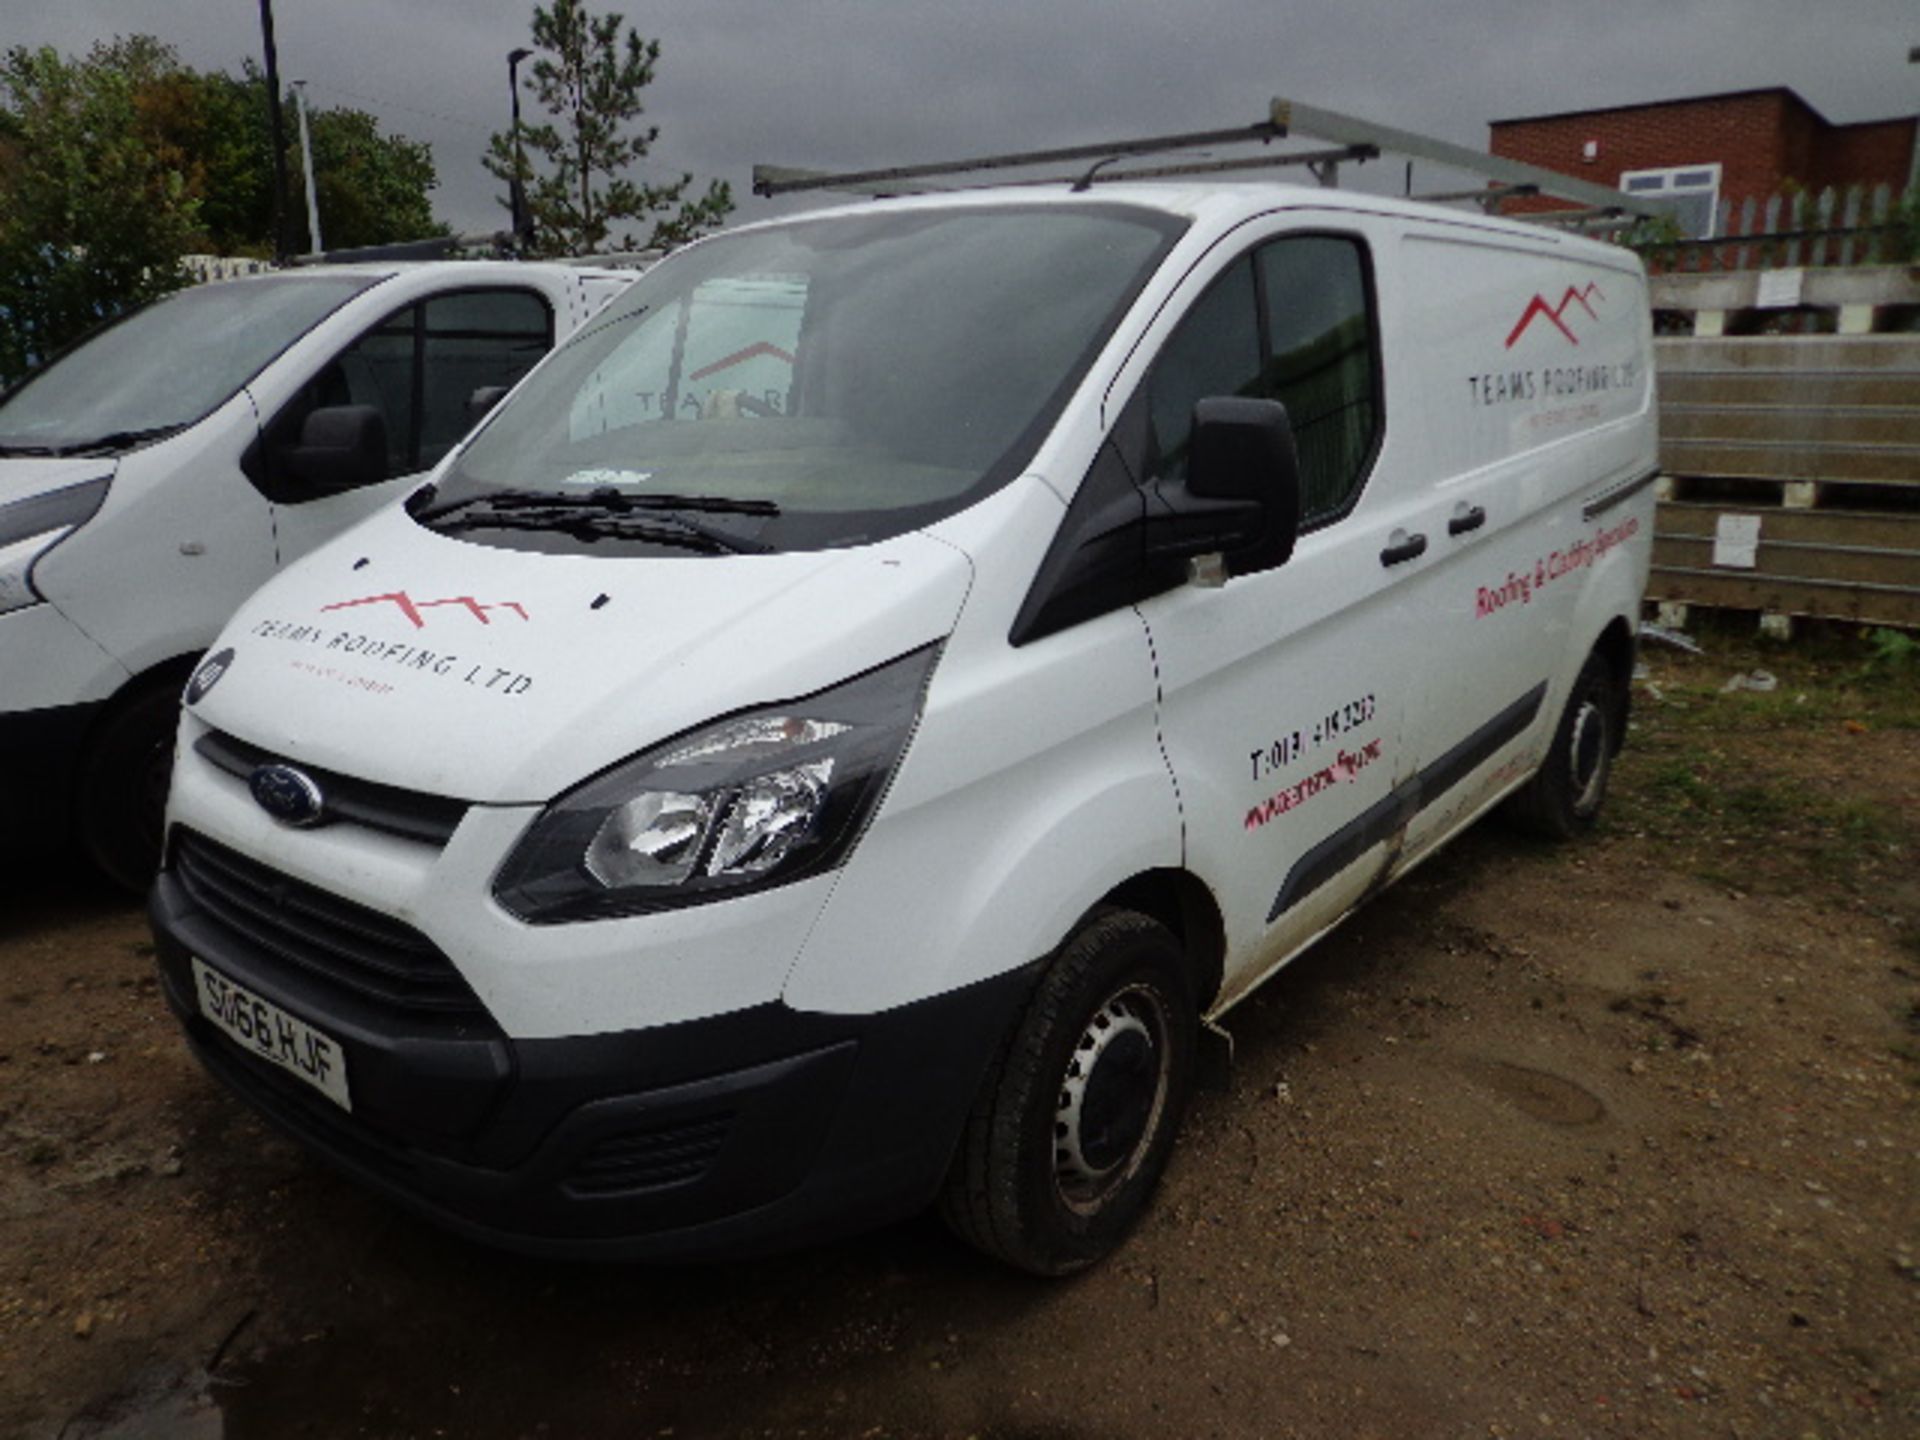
column 1611, row 1139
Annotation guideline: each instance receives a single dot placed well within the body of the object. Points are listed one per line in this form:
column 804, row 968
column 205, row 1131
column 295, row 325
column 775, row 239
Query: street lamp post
column 314, row 243
column 517, row 189
column 280, row 247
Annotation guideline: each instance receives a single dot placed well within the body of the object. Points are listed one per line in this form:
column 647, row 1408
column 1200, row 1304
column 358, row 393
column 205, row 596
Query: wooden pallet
column 1818, row 437
column 1831, row 564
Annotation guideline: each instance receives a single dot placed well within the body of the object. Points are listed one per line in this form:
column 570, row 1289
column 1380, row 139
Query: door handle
column 1464, row 520
column 1407, row 547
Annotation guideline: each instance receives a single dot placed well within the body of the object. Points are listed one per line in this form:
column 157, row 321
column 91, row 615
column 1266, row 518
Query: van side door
column 1284, row 691
column 1529, row 382
column 417, row 367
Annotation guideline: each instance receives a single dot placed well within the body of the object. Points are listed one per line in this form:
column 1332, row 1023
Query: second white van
column 156, row 473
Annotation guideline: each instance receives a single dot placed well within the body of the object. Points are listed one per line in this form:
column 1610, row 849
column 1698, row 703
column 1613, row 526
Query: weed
column 1679, row 779
column 1891, row 654
column 1763, row 806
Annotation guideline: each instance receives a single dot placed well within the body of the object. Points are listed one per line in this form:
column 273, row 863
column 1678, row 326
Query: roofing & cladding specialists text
column 1519, row 588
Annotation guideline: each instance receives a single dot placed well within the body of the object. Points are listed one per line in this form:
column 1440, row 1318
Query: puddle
column 1539, row 1093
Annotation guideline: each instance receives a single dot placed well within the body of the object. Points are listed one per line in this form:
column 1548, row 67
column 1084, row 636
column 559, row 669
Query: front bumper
column 732, row 1135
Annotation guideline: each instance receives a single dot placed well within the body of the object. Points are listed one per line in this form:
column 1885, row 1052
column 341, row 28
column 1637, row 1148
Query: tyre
column 1564, row 798
column 1078, row 1113
column 122, row 794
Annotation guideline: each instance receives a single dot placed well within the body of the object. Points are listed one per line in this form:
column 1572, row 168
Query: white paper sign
column 1779, row 289
column 1736, row 541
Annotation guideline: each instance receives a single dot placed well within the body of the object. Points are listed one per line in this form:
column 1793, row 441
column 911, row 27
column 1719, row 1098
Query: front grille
column 413, row 814
column 650, row 1159
column 343, row 945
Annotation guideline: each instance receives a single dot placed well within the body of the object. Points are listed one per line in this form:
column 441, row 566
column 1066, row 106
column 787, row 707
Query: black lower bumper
column 40, row 754
column 729, row 1136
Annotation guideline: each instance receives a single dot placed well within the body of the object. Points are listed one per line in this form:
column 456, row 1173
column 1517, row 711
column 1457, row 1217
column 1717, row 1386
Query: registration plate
column 262, row 1028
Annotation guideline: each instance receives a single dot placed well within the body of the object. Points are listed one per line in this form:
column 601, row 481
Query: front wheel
column 1077, row 1116
column 1564, row 798
column 122, row 798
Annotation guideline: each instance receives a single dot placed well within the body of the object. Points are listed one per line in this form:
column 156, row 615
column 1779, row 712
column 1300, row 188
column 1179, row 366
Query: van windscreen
column 168, row 364
column 859, row 375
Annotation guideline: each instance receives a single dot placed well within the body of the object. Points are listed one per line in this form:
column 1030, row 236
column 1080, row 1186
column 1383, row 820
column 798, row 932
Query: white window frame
column 1668, row 189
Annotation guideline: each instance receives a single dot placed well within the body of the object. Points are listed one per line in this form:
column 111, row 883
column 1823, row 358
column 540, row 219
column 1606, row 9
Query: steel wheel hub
column 1110, row 1097
column 1587, row 755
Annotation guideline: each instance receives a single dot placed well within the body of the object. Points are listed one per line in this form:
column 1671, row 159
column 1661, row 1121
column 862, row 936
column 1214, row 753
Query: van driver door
column 1284, row 693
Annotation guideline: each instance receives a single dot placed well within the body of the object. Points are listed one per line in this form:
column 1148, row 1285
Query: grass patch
column 1770, row 789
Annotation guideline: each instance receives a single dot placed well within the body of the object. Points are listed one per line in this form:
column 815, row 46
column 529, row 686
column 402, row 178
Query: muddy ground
column 1615, row 1139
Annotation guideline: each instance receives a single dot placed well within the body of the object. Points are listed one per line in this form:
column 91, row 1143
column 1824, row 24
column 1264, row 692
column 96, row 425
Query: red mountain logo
column 740, row 357
column 411, row 608
column 1538, row 308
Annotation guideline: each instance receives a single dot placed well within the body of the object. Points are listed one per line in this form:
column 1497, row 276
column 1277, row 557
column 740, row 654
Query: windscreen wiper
column 118, row 440
column 498, row 499
column 605, row 500
column 7, row 447
column 665, row 528
column 602, row 512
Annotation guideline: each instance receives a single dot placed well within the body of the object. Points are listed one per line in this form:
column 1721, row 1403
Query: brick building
column 1701, row 151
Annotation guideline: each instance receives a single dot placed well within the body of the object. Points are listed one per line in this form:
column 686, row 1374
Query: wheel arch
column 171, row 673
column 1183, row 903
column 116, row 799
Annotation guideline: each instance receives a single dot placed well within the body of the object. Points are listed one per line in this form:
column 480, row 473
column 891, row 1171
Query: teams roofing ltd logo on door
column 1555, row 315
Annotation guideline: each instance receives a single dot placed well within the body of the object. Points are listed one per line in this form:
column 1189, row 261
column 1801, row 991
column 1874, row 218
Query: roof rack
column 1355, row 141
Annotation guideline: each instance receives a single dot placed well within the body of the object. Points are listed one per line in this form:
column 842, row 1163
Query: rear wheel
column 122, row 797
column 1564, row 798
column 1077, row 1117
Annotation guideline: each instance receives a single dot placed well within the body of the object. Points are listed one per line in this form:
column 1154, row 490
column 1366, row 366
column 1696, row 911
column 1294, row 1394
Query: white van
column 835, row 735
column 154, row 475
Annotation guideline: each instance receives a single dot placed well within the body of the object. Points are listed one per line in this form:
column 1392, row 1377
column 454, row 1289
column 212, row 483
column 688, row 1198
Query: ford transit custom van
column 833, row 740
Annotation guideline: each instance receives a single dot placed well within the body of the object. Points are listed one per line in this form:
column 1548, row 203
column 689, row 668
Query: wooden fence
column 1855, row 226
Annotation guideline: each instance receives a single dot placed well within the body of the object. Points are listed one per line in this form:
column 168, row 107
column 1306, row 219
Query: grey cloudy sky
column 855, row 83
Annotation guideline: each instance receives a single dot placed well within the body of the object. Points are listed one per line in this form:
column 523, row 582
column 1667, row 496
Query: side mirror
column 1243, row 451
column 483, row 400
column 1123, row 541
column 342, row 447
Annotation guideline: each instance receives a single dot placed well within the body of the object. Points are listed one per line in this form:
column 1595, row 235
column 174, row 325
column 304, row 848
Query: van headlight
column 30, row 528
column 752, row 801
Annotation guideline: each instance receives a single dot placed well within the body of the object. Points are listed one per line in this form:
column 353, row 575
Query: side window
column 1320, row 363
column 1215, row 351
column 376, row 370
column 467, row 340
column 738, row 350
column 418, row 367
column 727, row 353
column 1289, row 322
